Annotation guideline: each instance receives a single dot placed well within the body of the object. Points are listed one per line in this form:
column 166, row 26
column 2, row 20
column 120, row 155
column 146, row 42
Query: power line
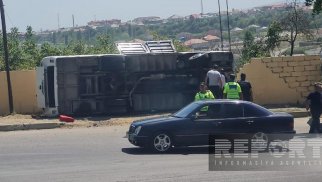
column 7, row 15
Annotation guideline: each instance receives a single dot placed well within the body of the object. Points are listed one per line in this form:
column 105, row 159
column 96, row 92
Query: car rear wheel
column 161, row 143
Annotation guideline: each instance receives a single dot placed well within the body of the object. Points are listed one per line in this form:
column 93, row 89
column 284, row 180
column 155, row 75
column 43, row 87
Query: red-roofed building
column 211, row 38
column 197, row 44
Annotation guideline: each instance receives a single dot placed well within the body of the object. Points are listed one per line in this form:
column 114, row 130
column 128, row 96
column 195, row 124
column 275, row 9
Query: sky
column 43, row 14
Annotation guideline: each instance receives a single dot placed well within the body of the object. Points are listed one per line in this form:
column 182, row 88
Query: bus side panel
column 40, row 87
column 71, row 73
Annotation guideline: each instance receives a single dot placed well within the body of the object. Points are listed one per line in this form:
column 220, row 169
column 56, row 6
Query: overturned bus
column 144, row 77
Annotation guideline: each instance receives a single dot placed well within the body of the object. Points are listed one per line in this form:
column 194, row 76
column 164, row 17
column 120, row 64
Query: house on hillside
column 148, row 20
column 183, row 36
column 103, row 23
column 175, row 18
column 236, row 30
column 275, row 6
column 198, row 44
column 213, row 41
column 254, row 26
column 193, row 17
column 211, row 38
column 213, row 32
column 263, row 29
column 208, row 15
column 80, row 29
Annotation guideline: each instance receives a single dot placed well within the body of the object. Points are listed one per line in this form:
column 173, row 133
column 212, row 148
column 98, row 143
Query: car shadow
column 176, row 150
column 184, row 151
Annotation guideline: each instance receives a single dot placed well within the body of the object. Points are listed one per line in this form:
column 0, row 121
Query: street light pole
column 6, row 55
column 228, row 26
column 222, row 41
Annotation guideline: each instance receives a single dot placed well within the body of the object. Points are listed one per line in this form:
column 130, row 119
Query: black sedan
column 193, row 124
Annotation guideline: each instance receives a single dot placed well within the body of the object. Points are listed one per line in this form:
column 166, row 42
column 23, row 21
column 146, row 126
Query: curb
column 299, row 114
column 36, row 126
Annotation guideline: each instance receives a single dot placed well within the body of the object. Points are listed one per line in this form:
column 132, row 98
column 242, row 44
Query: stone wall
column 283, row 80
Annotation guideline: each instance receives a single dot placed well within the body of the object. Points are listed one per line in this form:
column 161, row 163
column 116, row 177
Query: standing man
column 313, row 104
column 232, row 89
column 223, row 78
column 215, row 83
column 246, row 88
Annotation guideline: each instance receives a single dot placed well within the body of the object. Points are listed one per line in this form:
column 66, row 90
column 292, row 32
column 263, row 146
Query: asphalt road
column 102, row 154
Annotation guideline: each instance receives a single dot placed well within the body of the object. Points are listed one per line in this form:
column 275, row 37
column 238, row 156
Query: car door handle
column 249, row 122
column 218, row 123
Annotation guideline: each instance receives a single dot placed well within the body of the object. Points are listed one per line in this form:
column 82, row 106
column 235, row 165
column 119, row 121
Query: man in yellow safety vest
column 232, row 89
column 204, row 94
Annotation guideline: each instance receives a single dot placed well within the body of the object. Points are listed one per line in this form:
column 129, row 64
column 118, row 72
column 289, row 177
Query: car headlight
column 137, row 130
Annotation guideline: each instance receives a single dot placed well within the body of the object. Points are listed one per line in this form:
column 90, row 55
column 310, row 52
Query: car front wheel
column 161, row 142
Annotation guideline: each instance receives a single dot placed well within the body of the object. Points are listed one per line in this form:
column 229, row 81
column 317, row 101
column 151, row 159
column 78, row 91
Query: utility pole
column 222, row 41
column 202, row 8
column 6, row 56
column 73, row 21
column 228, row 26
column 58, row 21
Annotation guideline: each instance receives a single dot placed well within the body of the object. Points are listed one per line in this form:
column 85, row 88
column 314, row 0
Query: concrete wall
column 282, row 80
column 24, row 92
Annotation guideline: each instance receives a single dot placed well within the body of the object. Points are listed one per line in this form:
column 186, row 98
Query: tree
column 2, row 63
column 293, row 24
column 104, row 45
column 252, row 48
column 47, row 49
column 248, row 39
column 79, row 35
column 15, row 51
column 31, row 55
column 273, row 36
column 180, row 47
column 76, row 48
column 317, row 5
column 54, row 38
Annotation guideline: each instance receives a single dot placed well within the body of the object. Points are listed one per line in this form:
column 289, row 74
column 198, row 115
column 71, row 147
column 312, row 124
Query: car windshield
column 184, row 112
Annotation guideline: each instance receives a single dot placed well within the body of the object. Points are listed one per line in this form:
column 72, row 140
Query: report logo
column 270, row 153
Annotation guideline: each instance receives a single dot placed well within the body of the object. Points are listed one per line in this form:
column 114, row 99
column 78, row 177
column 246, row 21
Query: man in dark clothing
column 313, row 104
column 246, row 88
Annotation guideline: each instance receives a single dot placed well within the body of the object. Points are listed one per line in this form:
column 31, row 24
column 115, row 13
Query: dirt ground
column 110, row 120
column 99, row 121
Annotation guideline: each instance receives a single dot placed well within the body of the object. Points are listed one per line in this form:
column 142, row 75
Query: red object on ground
column 66, row 119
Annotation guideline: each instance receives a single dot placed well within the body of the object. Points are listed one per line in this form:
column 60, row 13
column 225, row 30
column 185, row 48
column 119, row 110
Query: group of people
column 221, row 88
